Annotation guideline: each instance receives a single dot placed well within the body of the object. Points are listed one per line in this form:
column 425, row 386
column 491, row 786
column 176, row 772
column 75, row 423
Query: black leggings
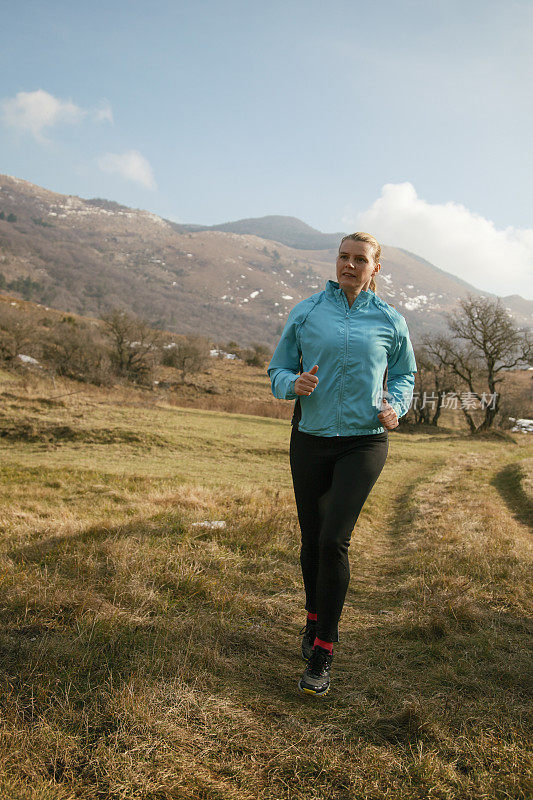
column 332, row 477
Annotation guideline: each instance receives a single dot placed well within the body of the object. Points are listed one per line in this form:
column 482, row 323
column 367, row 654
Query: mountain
column 87, row 256
column 286, row 230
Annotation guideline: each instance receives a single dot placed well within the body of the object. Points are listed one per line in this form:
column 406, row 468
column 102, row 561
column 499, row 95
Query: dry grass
column 144, row 657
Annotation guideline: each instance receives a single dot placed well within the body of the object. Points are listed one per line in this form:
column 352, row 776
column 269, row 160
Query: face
column 355, row 265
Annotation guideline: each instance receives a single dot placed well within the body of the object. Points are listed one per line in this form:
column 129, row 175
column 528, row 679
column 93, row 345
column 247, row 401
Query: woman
column 334, row 355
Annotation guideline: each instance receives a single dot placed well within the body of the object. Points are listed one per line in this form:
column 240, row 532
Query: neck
column 351, row 295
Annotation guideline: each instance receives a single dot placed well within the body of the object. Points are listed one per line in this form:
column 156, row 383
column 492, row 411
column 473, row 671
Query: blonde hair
column 361, row 236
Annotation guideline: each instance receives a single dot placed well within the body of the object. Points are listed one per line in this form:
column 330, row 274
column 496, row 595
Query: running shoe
column 315, row 679
column 308, row 640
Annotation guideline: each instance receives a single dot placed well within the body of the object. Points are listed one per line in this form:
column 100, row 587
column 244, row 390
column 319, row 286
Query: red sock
column 312, row 617
column 325, row 645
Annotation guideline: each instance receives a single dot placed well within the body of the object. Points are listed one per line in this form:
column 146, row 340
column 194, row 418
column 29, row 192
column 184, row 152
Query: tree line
column 119, row 345
column 466, row 366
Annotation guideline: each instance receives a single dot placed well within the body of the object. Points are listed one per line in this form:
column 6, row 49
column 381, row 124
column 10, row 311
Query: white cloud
column 453, row 238
column 104, row 113
column 130, row 165
column 35, row 111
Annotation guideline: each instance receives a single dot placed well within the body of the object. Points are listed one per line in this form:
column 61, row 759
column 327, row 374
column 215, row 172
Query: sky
column 410, row 119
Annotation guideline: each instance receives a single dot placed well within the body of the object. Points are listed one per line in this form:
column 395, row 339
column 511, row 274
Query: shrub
column 189, row 355
column 256, row 356
column 76, row 351
column 18, row 334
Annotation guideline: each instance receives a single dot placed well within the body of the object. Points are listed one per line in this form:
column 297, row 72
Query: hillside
column 87, row 256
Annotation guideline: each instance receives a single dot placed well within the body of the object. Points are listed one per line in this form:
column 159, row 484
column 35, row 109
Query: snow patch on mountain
column 415, row 303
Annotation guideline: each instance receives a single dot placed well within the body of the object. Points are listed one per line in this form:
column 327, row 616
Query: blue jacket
column 352, row 347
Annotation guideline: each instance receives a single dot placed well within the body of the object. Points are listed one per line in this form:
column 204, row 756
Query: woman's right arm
column 284, row 367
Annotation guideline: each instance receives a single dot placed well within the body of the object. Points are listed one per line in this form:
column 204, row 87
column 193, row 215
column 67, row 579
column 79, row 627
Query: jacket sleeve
column 284, row 367
column 401, row 369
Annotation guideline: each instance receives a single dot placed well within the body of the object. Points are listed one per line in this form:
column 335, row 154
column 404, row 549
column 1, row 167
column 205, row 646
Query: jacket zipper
column 345, row 359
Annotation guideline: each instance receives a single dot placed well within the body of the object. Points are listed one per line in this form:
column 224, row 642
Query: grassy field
column 145, row 657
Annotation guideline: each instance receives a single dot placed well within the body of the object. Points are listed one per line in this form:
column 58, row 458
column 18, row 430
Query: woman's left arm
column 401, row 369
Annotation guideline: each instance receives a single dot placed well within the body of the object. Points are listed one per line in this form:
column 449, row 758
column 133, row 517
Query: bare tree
column 484, row 343
column 134, row 345
column 432, row 382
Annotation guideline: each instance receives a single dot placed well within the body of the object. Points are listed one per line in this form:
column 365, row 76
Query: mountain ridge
column 287, row 230
column 87, row 256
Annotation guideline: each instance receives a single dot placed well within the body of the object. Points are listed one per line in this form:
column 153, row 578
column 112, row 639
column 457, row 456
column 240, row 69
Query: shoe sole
column 311, row 692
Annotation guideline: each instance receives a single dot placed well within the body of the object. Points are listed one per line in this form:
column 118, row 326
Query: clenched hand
column 387, row 416
column 306, row 382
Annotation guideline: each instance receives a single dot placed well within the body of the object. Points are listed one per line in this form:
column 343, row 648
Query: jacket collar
column 335, row 293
